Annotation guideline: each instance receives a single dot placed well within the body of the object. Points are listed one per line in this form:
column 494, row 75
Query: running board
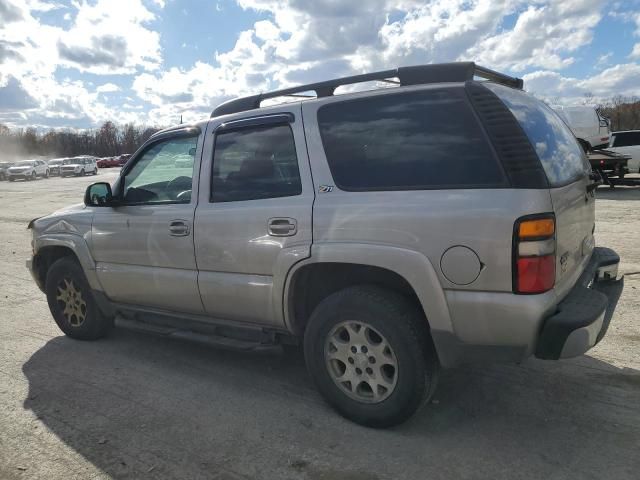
column 209, row 339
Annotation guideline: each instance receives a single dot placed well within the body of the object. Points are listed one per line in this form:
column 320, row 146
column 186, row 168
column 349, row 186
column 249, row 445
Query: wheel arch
column 53, row 247
column 336, row 266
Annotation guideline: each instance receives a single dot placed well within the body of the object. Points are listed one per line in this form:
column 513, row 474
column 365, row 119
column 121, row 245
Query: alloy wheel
column 71, row 302
column 361, row 362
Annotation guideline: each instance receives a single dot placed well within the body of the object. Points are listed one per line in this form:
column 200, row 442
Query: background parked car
column 79, row 166
column 628, row 143
column 122, row 159
column 4, row 166
column 28, row 170
column 587, row 124
column 103, row 162
column 54, row 166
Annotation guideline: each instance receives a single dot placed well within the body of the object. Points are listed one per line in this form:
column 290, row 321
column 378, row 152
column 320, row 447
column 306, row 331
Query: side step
column 209, row 339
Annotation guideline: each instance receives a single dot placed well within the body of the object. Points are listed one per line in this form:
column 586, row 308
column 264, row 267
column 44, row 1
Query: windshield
column 55, row 162
column 70, row 161
column 25, row 163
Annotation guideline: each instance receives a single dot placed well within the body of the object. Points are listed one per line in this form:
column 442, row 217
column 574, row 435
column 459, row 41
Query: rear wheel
column 370, row 355
column 71, row 302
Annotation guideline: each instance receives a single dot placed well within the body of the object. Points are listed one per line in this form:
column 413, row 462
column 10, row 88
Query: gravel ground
column 137, row 406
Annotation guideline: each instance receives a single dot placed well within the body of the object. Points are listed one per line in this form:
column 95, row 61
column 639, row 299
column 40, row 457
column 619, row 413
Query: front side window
column 419, row 140
column 163, row 173
column 561, row 155
column 255, row 163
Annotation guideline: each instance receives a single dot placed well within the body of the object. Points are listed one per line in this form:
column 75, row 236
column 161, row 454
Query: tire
column 46, row 174
column 95, row 172
column 385, row 319
column 11, row 179
column 81, row 174
column 66, row 281
column 33, row 176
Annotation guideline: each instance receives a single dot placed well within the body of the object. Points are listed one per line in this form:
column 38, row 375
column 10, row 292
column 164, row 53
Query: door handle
column 179, row 228
column 283, row 227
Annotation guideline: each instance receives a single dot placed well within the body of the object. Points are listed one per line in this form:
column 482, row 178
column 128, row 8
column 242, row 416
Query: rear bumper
column 582, row 318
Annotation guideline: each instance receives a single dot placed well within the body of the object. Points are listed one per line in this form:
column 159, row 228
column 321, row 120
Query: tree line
column 107, row 141
column 624, row 112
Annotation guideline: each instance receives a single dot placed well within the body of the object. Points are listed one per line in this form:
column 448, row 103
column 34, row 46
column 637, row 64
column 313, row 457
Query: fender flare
column 413, row 266
column 79, row 247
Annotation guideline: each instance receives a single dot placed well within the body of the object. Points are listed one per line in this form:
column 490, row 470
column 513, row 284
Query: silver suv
column 389, row 232
column 78, row 166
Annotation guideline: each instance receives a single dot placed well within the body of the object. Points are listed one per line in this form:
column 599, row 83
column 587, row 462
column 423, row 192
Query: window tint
column 626, row 139
column 163, row 174
column 416, row 140
column 562, row 157
column 255, row 163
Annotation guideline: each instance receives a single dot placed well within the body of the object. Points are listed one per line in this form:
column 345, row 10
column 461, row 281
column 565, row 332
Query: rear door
column 253, row 220
column 567, row 170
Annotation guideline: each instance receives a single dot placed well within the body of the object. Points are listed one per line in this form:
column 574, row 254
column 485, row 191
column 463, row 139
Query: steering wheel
column 184, row 195
column 182, row 184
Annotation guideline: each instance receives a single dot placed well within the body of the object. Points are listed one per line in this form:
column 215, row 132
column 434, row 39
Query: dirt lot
column 136, row 406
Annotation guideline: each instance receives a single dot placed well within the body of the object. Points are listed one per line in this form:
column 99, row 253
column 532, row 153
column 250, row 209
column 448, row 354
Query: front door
column 144, row 247
column 254, row 215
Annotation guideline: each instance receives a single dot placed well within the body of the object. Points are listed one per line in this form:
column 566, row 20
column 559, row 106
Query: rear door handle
column 179, row 228
column 283, row 227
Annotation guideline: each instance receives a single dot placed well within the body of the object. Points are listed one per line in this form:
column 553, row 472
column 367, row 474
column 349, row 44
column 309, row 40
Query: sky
column 77, row 63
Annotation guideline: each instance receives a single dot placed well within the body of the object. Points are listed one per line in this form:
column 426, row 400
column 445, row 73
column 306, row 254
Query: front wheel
column 46, row 174
column 33, row 175
column 71, row 302
column 369, row 353
column 95, row 172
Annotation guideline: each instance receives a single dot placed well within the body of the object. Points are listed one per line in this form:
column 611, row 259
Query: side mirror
column 192, row 151
column 98, row 195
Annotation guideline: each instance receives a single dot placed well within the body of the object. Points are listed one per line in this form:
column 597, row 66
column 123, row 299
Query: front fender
column 414, row 267
column 78, row 245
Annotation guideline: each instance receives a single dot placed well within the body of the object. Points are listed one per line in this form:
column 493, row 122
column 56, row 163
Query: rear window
column 561, row 155
column 416, row 140
column 626, row 139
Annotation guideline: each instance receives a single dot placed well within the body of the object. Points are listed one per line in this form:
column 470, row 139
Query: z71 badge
column 325, row 188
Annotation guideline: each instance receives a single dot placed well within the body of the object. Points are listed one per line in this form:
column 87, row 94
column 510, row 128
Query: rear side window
column 561, row 155
column 417, row 140
column 626, row 139
column 255, row 163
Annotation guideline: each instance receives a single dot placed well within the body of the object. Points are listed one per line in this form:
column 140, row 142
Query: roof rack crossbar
column 414, row 75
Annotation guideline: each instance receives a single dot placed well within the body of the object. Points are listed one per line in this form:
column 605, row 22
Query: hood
column 46, row 222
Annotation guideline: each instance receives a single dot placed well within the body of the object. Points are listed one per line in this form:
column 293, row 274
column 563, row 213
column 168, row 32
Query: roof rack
column 415, row 75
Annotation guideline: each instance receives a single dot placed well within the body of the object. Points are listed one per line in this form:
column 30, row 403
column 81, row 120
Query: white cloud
column 108, row 88
column 105, row 37
column 295, row 41
column 617, row 80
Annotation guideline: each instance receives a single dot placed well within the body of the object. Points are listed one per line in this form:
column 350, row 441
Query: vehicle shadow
column 140, row 406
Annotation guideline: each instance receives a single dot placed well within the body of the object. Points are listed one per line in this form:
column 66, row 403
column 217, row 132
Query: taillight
column 534, row 254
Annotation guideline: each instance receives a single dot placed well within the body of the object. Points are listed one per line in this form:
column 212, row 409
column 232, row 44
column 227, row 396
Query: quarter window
column 418, row 140
column 255, row 163
column 562, row 157
column 163, row 173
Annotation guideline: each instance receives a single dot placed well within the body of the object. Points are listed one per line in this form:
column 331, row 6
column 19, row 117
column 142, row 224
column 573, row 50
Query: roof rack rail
column 414, row 75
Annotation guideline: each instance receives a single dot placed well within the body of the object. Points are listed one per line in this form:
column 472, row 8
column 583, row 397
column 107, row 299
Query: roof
column 414, row 75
